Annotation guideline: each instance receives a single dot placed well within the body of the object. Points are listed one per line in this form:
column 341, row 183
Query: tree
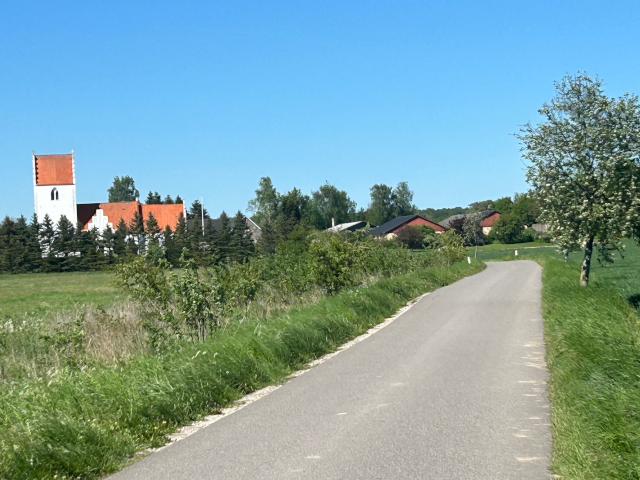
column 265, row 204
column 411, row 237
column 168, row 200
column 388, row 203
column 195, row 212
column 178, row 200
column 152, row 230
column 222, row 237
column 291, row 212
column 381, row 207
column 403, row 200
column 584, row 166
column 482, row 206
column 472, row 231
column 241, row 241
column 120, row 238
column 330, row 203
column 136, row 229
column 47, row 240
column 123, row 190
column 266, row 244
column 153, row 198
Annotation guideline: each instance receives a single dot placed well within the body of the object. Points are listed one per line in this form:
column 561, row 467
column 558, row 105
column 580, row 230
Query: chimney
column 333, row 222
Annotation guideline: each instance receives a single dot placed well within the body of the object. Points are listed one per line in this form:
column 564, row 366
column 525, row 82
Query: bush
column 509, row 229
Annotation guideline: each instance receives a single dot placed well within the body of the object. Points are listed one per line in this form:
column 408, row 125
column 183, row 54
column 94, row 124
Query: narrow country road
column 452, row 389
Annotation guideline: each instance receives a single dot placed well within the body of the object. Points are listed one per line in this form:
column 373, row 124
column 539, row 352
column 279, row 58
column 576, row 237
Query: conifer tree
column 33, row 239
column 47, row 240
column 120, row 239
column 136, row 229
column 172, row 253
column 179, row 200
column 64, row 242
column 222, row 238
column 209, row 252
column 241, row 242
column 7, row 234
column 107, row 245
column 168, row 200
column 266, row 244
column 152, row 230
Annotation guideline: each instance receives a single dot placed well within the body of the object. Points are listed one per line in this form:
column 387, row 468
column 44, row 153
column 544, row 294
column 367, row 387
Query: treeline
column 31, row 246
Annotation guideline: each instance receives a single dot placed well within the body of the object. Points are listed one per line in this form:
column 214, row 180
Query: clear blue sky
column 204, row 98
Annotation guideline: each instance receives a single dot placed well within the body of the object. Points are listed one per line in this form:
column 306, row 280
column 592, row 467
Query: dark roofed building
column 392, row 227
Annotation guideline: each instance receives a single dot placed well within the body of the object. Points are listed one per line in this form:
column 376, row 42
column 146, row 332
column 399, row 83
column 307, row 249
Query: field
column 41, row 293
column 623, row 275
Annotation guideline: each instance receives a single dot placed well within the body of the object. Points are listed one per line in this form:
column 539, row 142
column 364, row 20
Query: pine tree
column 136, row 229
column 64, row 244
column 241, row 242
column 47, row 240
column 222, row 238
column 179, row 200
column 266, row 244
column 34, row 250
column 107, row 244
column 153, row 198
column 153, row 230
column 168, row 200
column 120, row 239
column 7, row 232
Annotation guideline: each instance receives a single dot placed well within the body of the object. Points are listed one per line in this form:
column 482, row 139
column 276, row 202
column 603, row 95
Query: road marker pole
column 516, row 253
column 469, row 260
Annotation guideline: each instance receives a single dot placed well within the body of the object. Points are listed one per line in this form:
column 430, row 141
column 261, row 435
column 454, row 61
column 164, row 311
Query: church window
column 54, row 194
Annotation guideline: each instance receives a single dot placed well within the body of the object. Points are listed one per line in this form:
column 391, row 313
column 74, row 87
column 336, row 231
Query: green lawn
column 40, row 293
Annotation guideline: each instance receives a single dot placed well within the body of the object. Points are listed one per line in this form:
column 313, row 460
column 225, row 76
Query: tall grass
column 593, row 354
column 89, row 422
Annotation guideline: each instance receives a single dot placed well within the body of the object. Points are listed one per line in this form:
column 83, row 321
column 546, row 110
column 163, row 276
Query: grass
column 623, row 275
column 90, row 422
column 41, row 293
column 593, row 354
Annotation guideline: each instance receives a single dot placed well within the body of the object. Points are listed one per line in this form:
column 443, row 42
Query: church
column 54, row 190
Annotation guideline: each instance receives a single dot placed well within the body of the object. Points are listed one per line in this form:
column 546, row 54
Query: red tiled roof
column 489, row 220
column 115, row 211
column 166, row 215
column 54, row 169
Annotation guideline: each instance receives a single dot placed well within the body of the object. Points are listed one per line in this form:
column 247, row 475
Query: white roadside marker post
column 469, row 260
column 516, row 253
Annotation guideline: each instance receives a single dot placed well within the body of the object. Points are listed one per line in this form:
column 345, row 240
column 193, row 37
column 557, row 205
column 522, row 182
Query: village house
column 487, row 220
column 54, row 185
column 390, row 229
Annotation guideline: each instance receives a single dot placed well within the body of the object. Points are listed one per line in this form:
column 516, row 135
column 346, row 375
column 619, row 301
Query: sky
column 201, row 99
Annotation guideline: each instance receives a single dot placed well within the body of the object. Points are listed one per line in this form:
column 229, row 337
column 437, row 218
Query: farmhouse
column 54, row 187
column 390, row 229
column 487, row 219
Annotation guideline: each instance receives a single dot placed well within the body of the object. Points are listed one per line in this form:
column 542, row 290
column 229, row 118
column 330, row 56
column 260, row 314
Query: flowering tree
column 584, row 166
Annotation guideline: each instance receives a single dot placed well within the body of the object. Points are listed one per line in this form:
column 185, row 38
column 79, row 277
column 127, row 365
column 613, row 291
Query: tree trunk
column 586, row 263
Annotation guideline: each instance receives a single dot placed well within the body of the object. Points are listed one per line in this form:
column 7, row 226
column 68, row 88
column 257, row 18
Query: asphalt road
column 455, row 388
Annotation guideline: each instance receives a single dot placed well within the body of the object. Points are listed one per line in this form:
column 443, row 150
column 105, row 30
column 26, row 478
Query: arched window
column 54, row 194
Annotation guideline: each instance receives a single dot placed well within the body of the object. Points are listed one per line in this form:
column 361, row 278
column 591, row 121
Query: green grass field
column 41, row 293
column 623, row 275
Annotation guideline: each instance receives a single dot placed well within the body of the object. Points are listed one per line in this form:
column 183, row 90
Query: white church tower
column 54, row 187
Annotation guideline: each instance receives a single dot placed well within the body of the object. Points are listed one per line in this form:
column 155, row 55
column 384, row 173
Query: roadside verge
column 593, row 355
column 90, row 423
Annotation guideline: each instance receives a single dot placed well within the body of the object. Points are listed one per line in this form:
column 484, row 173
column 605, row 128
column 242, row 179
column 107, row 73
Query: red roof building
column 101, row 215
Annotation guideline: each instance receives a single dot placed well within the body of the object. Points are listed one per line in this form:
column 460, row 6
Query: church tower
column 54, row 187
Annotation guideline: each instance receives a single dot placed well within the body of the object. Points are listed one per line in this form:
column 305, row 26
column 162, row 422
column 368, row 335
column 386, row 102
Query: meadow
column 623, row 275
column 37, row 294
